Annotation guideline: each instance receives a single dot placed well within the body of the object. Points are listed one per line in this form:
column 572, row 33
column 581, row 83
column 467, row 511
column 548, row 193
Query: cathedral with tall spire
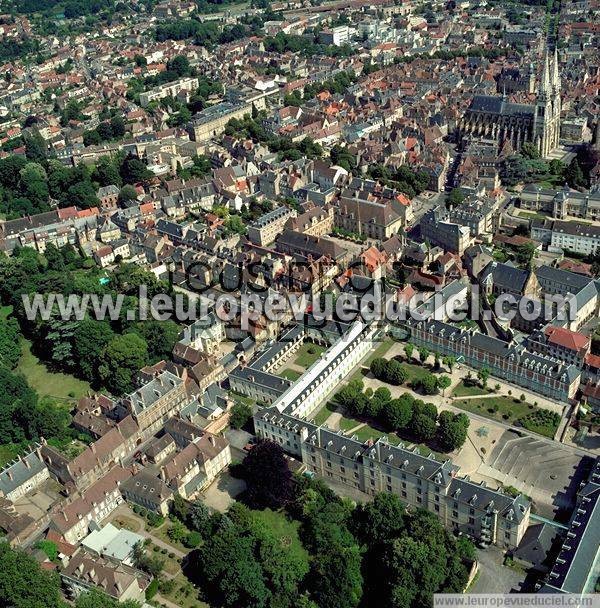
column 498, row 119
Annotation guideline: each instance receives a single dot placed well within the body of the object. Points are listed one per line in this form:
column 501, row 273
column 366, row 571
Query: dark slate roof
column 572, row 282
column 491, row 104
column 19, row 471
column 271, row 216
column 274, row 383
column 481, row 497
column 506, row 276
column 486, row 103
column 577, row 561
column 536, row 544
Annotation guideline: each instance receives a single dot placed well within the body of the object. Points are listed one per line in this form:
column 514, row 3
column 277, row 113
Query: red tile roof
column 566, row 338
column 592, row 360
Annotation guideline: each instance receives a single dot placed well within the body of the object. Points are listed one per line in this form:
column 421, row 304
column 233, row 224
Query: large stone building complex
column 497, row 118
column 488, row 515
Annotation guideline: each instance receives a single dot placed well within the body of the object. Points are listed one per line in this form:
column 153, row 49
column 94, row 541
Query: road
column 422, row 204
column 494, row 577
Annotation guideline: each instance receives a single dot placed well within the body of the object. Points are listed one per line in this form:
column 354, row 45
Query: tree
column 160, row 336
column 513, row 170
column 483, row 374
column 428, row 384
column 395, row 373
column 82, row 194
column 377, row 521
column 152, row 564
column 121, row 359
column 89, row 341
column 336, row 580
column 239, row 415
column 18, row 403
column 456, row 197
column 409, row 348
column 177, row 532
column 244, row 564
column 423, row 354
column 352, row 398
column 423, row 427
column 449, row 361
column 106, row 173
column 398, row 412
column 268, row 477
column 23, row 584
column 417, row 570
column 54, row 258
column 96, row 599
column 180, row 507
column 444, row 382
column 378, row 367
column 10, row 343
column 127, row 193
column 382, row 395
column 179, row 64
column 117, row 125
column 556, row 167
column 574, row 175
column 199, row 518
column 133, row 170
column 529, row 150
column 452, row 431
column 524, row 254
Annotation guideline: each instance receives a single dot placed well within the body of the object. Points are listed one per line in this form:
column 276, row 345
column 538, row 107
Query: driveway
column 494, row 577
column 222, row 493
column 238, row 438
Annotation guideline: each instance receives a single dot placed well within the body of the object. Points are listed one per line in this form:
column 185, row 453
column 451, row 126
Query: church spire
column 545, row 85
column 555, row 75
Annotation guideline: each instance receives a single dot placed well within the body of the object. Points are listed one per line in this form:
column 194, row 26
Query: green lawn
column 324, row 413
column 290, row 374
column 462, row 390
column 380, row 351
column 415, row 371
column 348, row 423
column 542, row 422
column 243, row 399
column 285, row 530
column 511, row 411
column 162, row 533
column 184, row 594
column 45, row 382
column 532, row 215
column 368, row 432
column 5, row 312
column 308, row 353
column 8, row 452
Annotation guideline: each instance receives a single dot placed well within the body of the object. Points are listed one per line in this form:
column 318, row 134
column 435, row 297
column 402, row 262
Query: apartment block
column 488, row 515
column 512, row 362
column 437, row 229
column 170, row 89
column 269, row 226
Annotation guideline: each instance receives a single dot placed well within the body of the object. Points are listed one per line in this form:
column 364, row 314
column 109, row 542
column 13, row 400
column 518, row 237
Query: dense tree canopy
column 23, row 584
column 243, row 564
column 268, row 477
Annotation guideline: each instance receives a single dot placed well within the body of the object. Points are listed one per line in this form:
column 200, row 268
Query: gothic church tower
column 546, row 134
